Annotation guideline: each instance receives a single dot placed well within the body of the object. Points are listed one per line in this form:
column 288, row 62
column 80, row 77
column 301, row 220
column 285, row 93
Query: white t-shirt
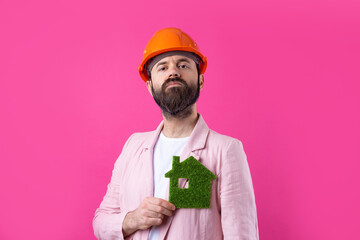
column 164, row 151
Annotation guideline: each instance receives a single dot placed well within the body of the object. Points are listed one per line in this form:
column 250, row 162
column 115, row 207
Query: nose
column 174, row 72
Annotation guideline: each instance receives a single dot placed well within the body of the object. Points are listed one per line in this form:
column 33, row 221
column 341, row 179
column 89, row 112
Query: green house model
column 198, row 193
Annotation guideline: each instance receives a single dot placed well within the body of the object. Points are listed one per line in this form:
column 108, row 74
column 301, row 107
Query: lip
column 173, row 84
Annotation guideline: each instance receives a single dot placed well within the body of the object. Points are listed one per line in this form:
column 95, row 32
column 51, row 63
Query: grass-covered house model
column 198, row 193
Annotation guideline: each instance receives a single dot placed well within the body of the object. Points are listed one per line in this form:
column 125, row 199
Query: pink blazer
column 232, row 212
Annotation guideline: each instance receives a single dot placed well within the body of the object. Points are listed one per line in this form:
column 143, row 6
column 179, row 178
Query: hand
column 151, row 212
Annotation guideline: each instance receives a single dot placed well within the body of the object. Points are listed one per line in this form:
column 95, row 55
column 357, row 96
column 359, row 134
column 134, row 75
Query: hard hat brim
column 142, row 67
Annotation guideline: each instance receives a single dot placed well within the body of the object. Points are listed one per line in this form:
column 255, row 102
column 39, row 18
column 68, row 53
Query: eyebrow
column 180, row 60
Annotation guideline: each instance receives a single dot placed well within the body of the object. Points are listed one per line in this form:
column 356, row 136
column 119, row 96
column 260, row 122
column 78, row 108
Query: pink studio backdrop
column 283, row 77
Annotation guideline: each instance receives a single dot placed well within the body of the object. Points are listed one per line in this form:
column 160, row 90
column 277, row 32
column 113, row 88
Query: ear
column 201, row 79
column 148, row 85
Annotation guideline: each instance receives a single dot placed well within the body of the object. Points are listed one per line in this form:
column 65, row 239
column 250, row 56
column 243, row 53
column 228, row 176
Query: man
column 135, row 205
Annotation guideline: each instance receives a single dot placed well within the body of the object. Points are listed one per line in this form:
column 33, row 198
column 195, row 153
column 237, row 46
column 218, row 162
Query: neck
column 180, row 127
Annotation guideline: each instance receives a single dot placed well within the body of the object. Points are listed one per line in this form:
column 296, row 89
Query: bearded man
column 136, row 204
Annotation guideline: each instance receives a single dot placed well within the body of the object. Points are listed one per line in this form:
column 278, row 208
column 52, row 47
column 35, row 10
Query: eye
column 161, row 68
column 182, row 66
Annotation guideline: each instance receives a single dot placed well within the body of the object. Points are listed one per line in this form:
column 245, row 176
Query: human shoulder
column 134, row 146
column 222, row 140
column 140, row 138
column 223, row 151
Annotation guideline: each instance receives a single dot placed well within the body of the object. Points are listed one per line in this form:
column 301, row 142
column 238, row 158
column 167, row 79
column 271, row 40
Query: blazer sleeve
column 238, row 209
column 108, row 219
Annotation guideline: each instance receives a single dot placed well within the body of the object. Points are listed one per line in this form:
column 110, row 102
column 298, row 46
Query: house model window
column 183, row 180
column 190, row 183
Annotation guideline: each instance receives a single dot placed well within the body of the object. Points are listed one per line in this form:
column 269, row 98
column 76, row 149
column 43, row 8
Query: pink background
column 283, row 77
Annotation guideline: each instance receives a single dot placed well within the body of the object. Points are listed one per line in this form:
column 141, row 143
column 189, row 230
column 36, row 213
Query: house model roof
column 189, row 168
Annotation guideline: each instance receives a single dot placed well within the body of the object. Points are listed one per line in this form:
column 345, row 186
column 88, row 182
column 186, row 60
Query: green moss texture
column 198, row 193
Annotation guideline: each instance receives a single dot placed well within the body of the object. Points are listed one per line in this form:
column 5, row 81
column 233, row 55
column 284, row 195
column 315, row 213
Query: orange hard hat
column 167, row 40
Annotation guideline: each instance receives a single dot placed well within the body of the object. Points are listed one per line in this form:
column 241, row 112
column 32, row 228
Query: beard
column 176, row 101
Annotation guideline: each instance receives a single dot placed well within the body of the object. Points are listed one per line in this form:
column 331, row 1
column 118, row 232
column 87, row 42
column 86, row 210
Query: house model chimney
column 175, row 162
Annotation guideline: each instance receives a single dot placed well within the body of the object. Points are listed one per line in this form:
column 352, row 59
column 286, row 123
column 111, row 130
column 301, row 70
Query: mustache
column 176, row 79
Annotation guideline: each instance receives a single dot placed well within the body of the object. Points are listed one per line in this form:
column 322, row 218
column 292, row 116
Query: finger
column 154, row 221
column 153, row 214
column 163, row 203
column 160, row 209
column 148, row 222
